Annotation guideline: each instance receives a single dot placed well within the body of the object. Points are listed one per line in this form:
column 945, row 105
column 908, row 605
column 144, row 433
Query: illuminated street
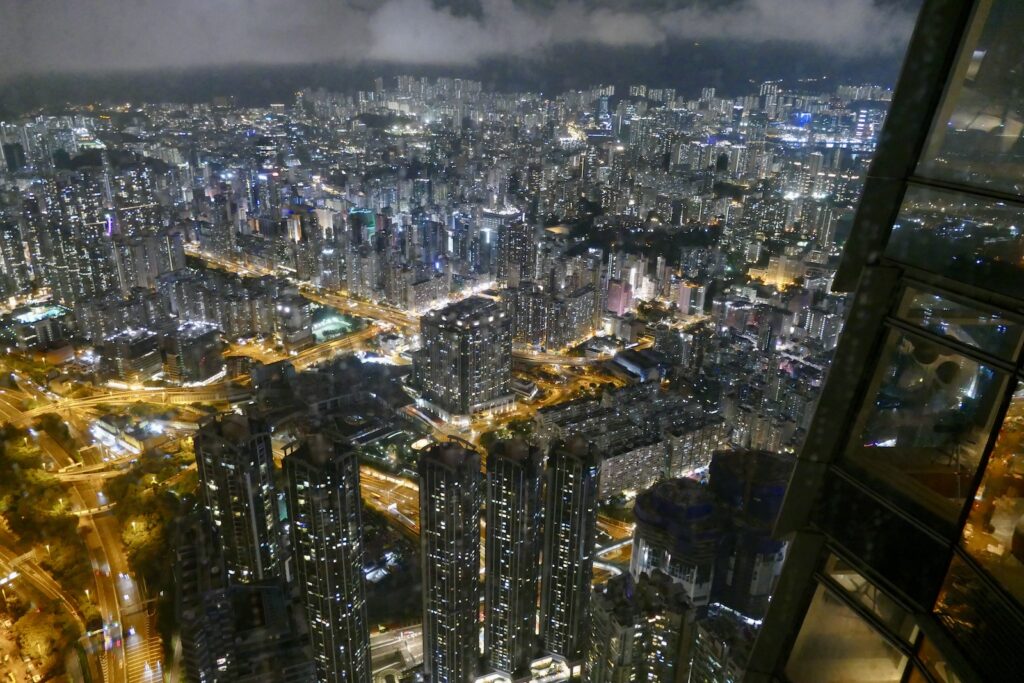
column 314, row 373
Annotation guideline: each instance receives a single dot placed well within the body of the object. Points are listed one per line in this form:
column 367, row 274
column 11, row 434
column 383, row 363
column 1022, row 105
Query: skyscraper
column 907, row 553
column 641, row 631
column 325, row 517
column 450, row 498
column 679, row 530
column 570, row 526
column 517, row 251
column 513, row 534
column 465, row 365
column 750, row 486
column 236, row 480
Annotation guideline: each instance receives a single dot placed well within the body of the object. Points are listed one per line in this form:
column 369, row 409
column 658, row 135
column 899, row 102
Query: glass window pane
column 979, row 618
column 960, row 236
column 935, row 662
column 836, row 646
column 870, row 596
column 987, row 330
column 977, row 137
column 994, row 533
column 916, row 676
column 925, row 428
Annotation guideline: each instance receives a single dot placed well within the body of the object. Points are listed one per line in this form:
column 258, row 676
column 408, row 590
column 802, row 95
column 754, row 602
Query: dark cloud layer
column 40, row 36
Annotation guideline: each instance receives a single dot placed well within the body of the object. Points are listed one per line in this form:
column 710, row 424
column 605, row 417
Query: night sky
column 507, row 43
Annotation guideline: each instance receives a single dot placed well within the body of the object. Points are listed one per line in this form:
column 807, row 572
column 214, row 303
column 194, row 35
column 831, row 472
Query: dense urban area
column 422, row 382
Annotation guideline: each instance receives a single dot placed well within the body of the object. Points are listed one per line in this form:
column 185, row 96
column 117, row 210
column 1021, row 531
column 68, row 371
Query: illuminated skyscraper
column 450, row 498
column 641, row 631
column 907, row 555
column 570, row 526
column 512, row 547
column 236, row 482
column 517, row 253
column 325, row 518
column 465, row 365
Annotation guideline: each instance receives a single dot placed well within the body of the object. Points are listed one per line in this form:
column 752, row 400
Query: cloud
column 101, row 35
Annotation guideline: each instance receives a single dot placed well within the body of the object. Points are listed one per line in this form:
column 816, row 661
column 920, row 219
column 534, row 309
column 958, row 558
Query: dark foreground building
column 905, row 510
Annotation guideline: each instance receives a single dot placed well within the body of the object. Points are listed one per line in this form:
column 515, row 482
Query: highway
column 133, row 651
column 29, row 570
column 363, row 309
column 533, row 358
column 213, row 393
column 396, row 498
column 329, row 349
column 234, row 266
column 382, row 312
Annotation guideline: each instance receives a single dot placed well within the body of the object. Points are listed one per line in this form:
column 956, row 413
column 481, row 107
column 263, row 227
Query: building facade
column 512, row 548
column 465, row 363
column 907, row 560
column 236, row 482
column 450, row 497
column 325, row 521
column 570, row 527
column 641, row 631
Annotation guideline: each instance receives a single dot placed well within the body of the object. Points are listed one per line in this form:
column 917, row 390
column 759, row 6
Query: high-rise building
column 679, row 530
column 450, row 498
column 232, row 632
column 465, row 365
column 512, row 547
column 517, row 252
column 907, row 555
column 131, row 355
column 202, row 607
column 236, row 480
column 193, row 352
column 750, row 486
column 641, row 631
column 570, row 527
column 715, row 539
column 325, row 521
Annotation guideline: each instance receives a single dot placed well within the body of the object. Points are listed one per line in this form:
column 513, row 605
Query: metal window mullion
column 966, row 350
column 978, row 191
column 865, row 614
column 957, row 289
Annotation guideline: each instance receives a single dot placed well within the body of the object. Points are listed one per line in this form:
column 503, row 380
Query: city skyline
column 420, row 354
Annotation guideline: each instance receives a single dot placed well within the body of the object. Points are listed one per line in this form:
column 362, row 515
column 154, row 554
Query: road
column 402, row 320
column 329, row 349
column 40, row 580
column 363, row 309
column 397, row 650
column 135, row 652
column 532, row 358
column 132, row 649
column 213, row 393
column 397, row 498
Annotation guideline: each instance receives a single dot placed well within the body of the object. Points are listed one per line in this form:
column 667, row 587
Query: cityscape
column 432, row 381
